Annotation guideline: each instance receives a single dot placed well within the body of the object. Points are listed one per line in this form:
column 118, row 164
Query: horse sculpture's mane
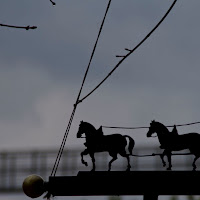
column 161, row 126
column 92, row 128
column 88, row 125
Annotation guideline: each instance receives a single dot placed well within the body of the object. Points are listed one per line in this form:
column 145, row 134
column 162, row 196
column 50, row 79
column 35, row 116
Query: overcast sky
column 41, row 70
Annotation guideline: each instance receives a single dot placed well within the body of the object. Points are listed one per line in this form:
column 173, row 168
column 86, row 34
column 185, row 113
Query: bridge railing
column 16, row 165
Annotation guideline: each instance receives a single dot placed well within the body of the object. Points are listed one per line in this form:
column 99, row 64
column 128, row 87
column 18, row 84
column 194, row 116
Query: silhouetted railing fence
column 16, row 165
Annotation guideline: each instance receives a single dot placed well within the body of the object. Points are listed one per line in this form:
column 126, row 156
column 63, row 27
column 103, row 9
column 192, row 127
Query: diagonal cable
column 131, row 51
column 53, row 173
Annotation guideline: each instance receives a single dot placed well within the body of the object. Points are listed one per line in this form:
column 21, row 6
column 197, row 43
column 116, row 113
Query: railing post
column 12, row 172
column 150, row 197
column 4, row 171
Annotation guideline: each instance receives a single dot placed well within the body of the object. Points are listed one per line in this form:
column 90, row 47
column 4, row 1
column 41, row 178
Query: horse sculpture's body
column 97, row 142
column 174, row 142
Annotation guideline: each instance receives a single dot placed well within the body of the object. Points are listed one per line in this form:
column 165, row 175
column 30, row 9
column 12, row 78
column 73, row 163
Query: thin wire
column 123, row 127
column 55, row 167
column 101, row 27
column 159, row 154
column 53, row 3
column 131, row 51
column 188, row 124
column 145, row 127
column 19, row 27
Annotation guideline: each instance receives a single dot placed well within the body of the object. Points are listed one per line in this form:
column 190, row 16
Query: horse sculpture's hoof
column 194, row 168
column 164, row 164
column 169, row 168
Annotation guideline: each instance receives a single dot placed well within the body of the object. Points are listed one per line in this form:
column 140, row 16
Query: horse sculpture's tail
column 131, row 144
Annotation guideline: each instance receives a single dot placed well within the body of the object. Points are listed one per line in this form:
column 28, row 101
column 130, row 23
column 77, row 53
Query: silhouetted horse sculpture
column 171, row 141
column 96, row 141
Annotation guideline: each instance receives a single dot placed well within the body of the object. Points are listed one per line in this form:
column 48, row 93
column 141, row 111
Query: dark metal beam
column 147, row 183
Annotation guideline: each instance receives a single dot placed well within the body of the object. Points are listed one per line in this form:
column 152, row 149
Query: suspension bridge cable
column 131, row 51
column 145, row 127
column 53, row 173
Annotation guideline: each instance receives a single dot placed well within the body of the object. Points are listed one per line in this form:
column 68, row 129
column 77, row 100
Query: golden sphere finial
column 33, row 186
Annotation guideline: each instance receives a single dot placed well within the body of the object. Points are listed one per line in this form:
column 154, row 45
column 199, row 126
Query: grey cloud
column 20, row 88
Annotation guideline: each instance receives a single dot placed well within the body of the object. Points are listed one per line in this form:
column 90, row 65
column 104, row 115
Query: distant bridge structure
column 16, row 165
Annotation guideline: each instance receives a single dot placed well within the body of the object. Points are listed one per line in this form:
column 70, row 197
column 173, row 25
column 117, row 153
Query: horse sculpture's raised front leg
column 85, row 152
column 193, row 164
column 168, row 154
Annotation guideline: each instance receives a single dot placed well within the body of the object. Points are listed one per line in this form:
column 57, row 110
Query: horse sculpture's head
column 88, row 129
column 152, row 128
column 80, row 130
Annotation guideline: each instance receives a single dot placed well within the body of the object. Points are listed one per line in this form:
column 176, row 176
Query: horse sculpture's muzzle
column 79, row 134
column 149, row 134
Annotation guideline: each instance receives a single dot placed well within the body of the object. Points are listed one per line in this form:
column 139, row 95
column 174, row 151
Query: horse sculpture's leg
column 168, row 153
column 114, row 155
column 193, row 164
column 85, row 152
column 123, row 153
column 162, row 158
column 93, row 161
column 129, row 166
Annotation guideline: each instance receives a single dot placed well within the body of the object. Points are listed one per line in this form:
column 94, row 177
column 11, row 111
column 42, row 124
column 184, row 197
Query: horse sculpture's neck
column 162, row 132
column 89, row 129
